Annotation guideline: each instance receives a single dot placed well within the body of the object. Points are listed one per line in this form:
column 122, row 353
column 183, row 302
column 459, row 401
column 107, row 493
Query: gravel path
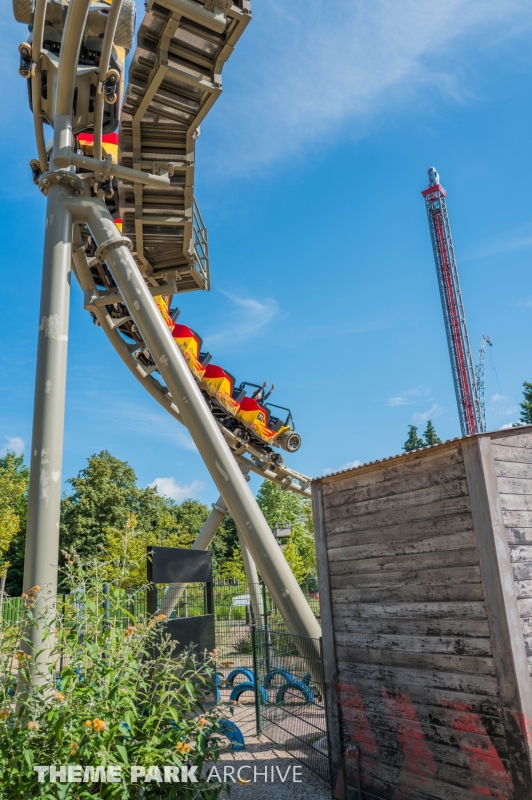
column 266, row 760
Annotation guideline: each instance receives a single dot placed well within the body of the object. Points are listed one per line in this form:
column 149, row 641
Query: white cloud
column 409, row 397
column 509, row 425
column 423, row 416
column 306, row 69
column 169, row 487
column 347, row 465
column 498, row 398
column 350, row 465
column 13, row 443
column 507, row 241
column 246, row 320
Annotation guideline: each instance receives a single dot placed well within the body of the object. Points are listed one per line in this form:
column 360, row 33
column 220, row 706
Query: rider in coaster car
column 256, row 417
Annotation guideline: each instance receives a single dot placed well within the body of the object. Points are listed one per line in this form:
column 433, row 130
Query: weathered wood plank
column 433, row 723
column 523, row 589
column 424, row 544
column 410, row 594
column 342, row 535
column 457, row 645
column 391, row 783
column 517, row 519
column 399, row 467
column 359, row 486
column 444, row 576
column 519, row 535
column 486, row 706
column 525, row 606
column 405, row 498
column 526, row 624
column 475, row 665
column 330, row 675
column 395, row 516
column 520, row 553
column 522, row 571
column 406, row 611
column 513, row 469
column 481, row 685
column 515, row 485
column 433, row 720
column 523, row 439
column 381, row 785
column 513, row 453
column 516, row 502
column 477, row 628
column 463, row 557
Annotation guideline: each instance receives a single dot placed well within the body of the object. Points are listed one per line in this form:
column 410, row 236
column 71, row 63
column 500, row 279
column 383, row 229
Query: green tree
column 430, row 436
column 280, row 506
column 413, row 442
column 105, row 495
column 525, row 418
column 13, row 511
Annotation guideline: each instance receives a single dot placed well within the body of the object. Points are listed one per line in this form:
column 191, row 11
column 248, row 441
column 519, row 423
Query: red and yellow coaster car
column 256, row 418
column 251, row 412
column 189, row 343
column 219, row 384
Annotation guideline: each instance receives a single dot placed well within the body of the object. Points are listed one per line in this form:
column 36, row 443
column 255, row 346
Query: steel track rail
column 247, row 456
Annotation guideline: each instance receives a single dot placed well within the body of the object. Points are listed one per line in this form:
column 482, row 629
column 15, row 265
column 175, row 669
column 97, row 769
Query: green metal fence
column 290, row 698
column 275, row 677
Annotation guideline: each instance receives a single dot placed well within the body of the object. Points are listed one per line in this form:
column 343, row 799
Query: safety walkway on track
column 174, row 79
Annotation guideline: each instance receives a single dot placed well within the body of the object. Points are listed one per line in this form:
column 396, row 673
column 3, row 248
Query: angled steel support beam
column 208, row 438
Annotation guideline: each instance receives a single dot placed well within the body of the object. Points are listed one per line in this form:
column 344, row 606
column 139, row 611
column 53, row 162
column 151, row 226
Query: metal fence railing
column 290, row 698
column 273, row 677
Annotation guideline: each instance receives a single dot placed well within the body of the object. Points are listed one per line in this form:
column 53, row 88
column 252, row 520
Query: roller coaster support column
column 250, row 569
column 203, row 540
column 252, row 579
column 113, row 248
column 44, row 497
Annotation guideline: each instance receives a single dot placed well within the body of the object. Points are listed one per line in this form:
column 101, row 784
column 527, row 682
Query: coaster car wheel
column 290, row 441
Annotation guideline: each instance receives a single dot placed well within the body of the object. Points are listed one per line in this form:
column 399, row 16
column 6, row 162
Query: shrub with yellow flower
column 111, row 704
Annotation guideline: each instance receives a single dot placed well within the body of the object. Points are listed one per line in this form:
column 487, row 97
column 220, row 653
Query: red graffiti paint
column 489, row 775
column 359, row 728
column 419, row 767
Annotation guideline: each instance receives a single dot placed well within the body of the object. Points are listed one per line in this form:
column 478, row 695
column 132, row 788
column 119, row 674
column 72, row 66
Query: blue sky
column 309, row 173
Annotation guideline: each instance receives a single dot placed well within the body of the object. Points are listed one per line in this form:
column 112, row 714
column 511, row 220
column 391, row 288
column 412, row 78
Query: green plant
column 244, row 646
column 112, row 695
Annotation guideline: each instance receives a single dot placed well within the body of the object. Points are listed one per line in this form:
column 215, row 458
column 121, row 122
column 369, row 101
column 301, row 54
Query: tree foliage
column 413, row 442
column 105, row 496
column 430, row 436
column 13, row 504
column 279, row 506
column 106, row 512
column 525, row 418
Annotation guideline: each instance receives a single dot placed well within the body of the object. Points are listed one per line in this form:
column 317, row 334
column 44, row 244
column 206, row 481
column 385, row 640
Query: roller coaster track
column 174, row 80
column 160, row 250
column 250, row 458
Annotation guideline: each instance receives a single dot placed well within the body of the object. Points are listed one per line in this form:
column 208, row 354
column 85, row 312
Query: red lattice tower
column 465, row 385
